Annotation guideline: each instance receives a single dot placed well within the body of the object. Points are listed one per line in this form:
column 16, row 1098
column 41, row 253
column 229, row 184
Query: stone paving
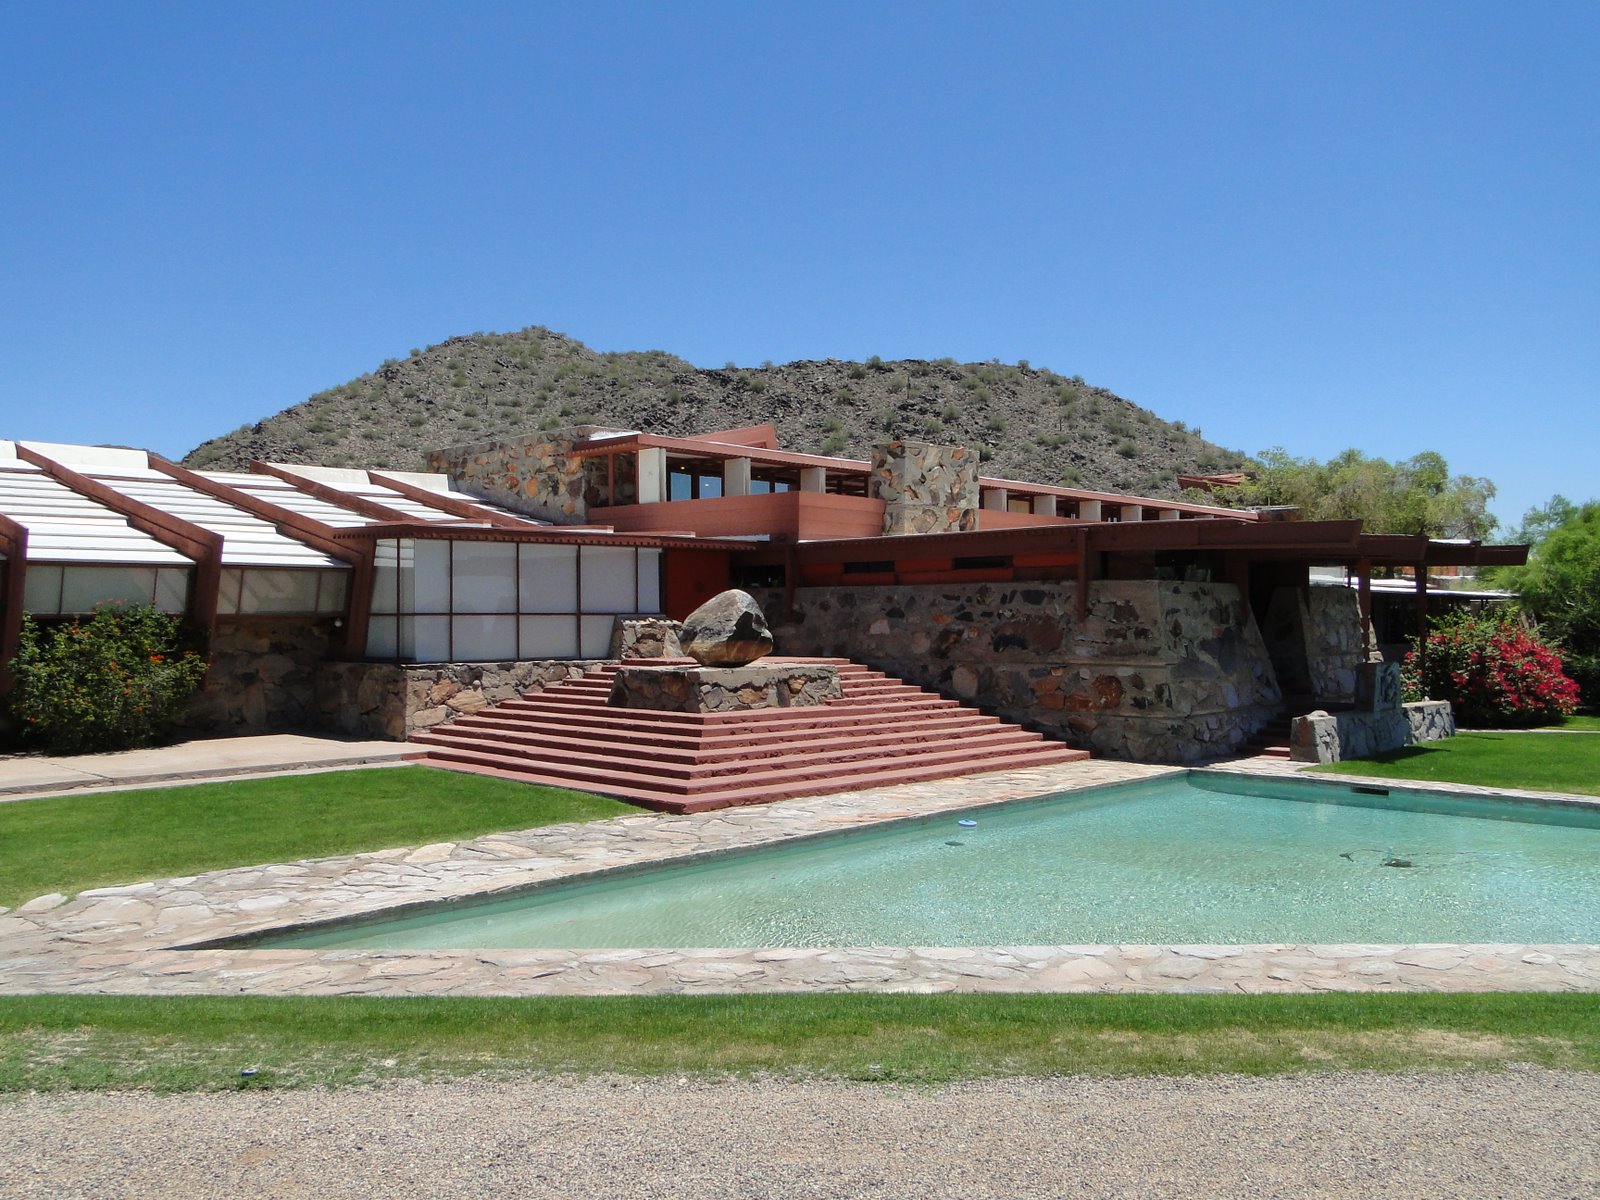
column 138, row 939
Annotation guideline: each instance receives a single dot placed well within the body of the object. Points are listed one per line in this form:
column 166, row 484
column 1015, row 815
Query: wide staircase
column 881, row 731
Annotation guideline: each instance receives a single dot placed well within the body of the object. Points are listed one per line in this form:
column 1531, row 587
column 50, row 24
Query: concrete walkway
column 28, row 775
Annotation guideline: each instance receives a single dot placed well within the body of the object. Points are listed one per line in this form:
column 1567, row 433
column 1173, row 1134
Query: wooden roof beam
column 201, row 546
column 449, row 504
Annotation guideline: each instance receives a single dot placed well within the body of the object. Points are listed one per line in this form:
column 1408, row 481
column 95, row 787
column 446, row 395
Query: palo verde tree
column 1417, row 496
column 1560, row 586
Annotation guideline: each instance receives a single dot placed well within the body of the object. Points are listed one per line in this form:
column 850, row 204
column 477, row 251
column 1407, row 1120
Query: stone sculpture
column 728, row 630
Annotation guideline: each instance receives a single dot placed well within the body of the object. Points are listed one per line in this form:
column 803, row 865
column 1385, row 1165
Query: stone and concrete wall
column 1160, row 671
column 381, row 700
column 1314, row 638
column 1333, row 737
column 725, row 689
column 264, row 676
column 925, row 488
column 1379, row 724
column 535, row 473
column 646, row 637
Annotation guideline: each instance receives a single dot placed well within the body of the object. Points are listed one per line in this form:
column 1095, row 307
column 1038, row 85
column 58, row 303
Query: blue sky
column 1307, row 225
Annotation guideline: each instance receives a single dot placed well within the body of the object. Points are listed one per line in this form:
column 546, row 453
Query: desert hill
column 1026, row 423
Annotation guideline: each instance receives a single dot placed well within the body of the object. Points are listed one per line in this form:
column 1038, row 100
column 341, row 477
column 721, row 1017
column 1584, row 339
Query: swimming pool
column 1211, row 857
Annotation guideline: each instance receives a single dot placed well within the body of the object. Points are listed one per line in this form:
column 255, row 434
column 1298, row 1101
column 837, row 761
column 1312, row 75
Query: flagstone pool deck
column 135, row 939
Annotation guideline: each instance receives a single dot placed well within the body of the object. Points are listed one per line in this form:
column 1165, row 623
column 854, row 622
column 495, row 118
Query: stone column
column 925, row 488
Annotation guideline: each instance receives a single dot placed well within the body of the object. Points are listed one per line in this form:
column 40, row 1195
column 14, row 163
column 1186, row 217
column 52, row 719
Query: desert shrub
column 1127, row 449
column 834, row 443
column 1493, row 669
column 857, row 371
column 118, row 679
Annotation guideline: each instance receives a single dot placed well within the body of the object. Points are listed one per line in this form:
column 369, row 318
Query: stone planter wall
column 264, row 676
column 381, row 700
column 1160, row 671
column 1333, row 737
column 725, row 689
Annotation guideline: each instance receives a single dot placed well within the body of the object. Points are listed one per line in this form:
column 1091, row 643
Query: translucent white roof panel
column 248, row 541
column 66, row 527
column 358, row 483
column 284, row 494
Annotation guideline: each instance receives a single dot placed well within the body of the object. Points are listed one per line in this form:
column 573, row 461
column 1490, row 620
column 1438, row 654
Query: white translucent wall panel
column 649, row 582
column 425, row 579
column 549, row 578
column 381, row 637
column 41, row 590
column 386, row 576
column 84, row 587
column 228, row 591
column 485, row 577
column 172, row 589
column 270, row 591
column 425, row 639
column 596, row 637
column 480, row 638
column 550, row 637
column 608, row 580
column 334, row 586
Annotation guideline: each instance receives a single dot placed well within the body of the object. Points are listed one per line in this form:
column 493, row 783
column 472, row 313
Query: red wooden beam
column 314, row 533
column 448, row 504
column 190, row 540
column 329, row 494
column 14, row 541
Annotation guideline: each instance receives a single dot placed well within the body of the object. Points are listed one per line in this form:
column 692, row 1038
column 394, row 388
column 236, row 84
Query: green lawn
column 1545, row 762
column 204, row 1043
column 1579, row 722
column 69, row 843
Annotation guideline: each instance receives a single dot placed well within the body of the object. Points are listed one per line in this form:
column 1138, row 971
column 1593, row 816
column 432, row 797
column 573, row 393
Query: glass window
column 425, row 639
column 278, row 591
column 549, row 579
column 385, row 576
column 425, row 579
column 172, row 589
column 608, row 584
column 485, row 577
column 334, row 585
column 84, row 587
column 481, row 638
column 549, row 637
column 381, row 637
column 41, row 590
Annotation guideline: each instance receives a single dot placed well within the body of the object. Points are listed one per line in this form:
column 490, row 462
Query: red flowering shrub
column 119, row 679
column 1493, row 670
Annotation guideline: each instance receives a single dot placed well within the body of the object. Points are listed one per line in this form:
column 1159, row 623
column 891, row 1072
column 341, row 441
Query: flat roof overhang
column 560, row 535
column 712, row 450
column 1311, row 540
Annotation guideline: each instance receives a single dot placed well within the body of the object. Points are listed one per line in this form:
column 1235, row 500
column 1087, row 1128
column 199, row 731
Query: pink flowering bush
column 1493, row 669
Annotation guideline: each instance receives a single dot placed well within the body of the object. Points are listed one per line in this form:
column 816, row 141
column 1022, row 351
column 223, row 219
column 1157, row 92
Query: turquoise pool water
column 1202, row 858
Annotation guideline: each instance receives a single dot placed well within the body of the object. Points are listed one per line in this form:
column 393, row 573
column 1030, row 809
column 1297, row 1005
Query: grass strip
column 53, row 1043
column 69, row 843
column 1542, row 762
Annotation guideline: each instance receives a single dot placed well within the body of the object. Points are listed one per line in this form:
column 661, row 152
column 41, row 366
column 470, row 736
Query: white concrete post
column 1044, row 506
column 1170, row 514
column 736, row 477
column 995, row 499
column 652, row 475
column 813, row 479
column 1131, row 513
column 1089, row 510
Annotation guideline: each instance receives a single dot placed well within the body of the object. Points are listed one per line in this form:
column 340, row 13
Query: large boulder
column 728, row 630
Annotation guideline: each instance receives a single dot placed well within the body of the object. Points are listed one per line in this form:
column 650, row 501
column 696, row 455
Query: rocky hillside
column 1026, row 423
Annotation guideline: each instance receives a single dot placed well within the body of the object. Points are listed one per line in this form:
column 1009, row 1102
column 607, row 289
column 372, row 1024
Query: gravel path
column 1523, row 1132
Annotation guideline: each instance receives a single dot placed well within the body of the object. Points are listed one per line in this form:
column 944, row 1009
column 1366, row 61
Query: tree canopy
column 1560, row 586
column 1418, row 495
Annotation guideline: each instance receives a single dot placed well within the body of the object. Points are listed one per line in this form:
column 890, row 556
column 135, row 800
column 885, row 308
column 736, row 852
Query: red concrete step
column 881, row 731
